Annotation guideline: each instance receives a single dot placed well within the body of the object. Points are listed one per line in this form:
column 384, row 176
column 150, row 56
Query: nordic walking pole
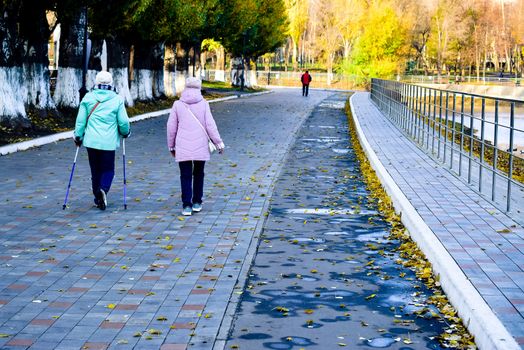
column 124, row 168
column 70, row 178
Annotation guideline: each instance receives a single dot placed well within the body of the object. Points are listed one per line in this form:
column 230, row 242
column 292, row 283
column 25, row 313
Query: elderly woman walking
column 101, row 122
column 189, row 128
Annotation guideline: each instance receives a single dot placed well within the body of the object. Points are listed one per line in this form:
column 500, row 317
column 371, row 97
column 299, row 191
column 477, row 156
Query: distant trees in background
column 383, row 38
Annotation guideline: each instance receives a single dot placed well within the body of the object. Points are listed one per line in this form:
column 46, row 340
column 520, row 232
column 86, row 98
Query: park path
column 146, row 277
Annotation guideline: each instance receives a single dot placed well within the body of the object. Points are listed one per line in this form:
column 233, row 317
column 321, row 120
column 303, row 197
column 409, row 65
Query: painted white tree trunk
column 170, row 83
column 121, row 84
column 220, row 75
column 12, row 91
column 159, row 88
column 90, row 79
column 36, row 80
column 142, row 86
column 180, row 80
column 68, row 83
column 251, row 80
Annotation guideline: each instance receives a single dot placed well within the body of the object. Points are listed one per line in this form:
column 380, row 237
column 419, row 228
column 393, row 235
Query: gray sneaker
column 187, row 211
column 197, row 207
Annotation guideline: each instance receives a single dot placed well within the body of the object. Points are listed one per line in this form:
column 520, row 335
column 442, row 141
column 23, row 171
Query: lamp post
column 85, row 60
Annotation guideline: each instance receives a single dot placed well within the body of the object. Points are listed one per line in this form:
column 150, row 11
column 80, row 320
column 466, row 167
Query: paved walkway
column 144, row 278
column 486, row 244
column 147, row 278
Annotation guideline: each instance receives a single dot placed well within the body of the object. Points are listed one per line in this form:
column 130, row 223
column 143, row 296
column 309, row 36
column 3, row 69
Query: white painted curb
column 40, row 141
column 489, row 332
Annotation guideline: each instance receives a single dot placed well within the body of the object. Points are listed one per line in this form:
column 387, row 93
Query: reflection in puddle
column 327, row 211
column 378, row 237
column 380, row 342
column 304, row 239
column 336, row 233
column 340, row 151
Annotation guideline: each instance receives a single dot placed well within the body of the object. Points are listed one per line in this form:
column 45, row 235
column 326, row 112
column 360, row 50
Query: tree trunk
column 182, row 66
column 220, row 68
column 237, row 71
column 148, row 69
column 170, row 69
column 157, row 67
column 12, row 89
column 69, row 79
column 36, row 34
column 118, row 61
column 94, row 64
column 294, row 56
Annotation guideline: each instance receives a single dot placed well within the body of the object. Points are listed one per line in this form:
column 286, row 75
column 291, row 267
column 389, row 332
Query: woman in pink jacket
column 189, row 125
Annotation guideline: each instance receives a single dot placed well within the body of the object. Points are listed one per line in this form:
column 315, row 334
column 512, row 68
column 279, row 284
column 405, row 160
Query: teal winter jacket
column 107, row 123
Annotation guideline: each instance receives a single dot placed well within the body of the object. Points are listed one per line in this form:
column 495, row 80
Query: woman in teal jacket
column 101, row 121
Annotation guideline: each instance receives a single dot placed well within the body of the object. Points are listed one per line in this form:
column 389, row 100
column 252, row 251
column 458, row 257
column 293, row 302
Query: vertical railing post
column 439, row 123
column 495, row 151
column 434, row 121
column 482, row 145
column 453, row 121
column 422, row 118
column 471, row 144
column 510, row 155
column 446, row 126
column 461, row 134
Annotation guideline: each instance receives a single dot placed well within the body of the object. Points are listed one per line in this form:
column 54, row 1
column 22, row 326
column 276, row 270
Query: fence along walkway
column 485, row 243
column 479, row 138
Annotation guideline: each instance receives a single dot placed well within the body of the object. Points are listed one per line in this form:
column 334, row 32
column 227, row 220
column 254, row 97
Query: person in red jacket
column 305, row 79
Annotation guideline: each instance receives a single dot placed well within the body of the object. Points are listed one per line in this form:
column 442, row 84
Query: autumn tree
column 298, row 14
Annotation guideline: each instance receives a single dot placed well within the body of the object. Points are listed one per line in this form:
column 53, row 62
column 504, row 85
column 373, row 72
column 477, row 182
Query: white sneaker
column 197, row 207
column 187, row 211
column 102, row 202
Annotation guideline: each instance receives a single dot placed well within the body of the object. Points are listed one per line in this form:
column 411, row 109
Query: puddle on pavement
column 381, row 342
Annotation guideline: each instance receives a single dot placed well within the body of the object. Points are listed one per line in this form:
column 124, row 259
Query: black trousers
column 102, row 165
column 305, row 89
column 192, row 181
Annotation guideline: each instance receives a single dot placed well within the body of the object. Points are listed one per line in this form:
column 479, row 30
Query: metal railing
column 480, row 138
column 506, row 80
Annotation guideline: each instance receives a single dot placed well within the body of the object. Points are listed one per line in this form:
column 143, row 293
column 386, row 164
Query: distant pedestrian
column 101, row 122
column 189, row 128
column 306, row 80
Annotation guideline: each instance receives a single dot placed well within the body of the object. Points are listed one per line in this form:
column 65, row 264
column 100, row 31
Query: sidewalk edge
column 40, row 141
column 480, row 320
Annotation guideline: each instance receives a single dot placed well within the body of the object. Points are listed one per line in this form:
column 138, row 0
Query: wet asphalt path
column 324, row 276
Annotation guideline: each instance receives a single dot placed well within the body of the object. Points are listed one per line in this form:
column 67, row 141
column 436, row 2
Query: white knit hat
column 194, row 83
column 104, row 78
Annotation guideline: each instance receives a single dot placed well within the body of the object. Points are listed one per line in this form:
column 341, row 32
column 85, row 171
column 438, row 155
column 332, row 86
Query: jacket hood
column 191, row 96
column 103, row 95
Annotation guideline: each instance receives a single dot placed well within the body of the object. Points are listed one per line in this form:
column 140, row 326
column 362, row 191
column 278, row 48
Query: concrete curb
column 480, row 320
column 40, row 141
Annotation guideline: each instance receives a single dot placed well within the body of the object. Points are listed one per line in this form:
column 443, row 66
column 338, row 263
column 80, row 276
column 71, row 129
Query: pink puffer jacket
column 184, row 135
